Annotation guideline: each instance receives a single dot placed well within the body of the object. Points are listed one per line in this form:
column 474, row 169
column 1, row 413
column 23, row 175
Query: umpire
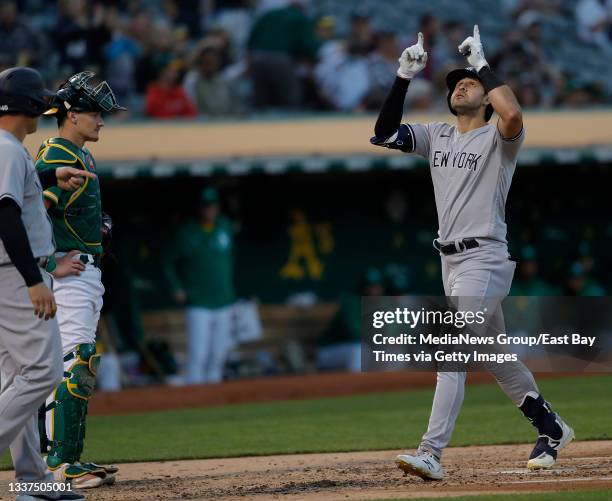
column 30, row 346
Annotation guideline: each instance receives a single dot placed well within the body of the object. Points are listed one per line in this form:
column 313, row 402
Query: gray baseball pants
column 475, row 278
column 30, row 369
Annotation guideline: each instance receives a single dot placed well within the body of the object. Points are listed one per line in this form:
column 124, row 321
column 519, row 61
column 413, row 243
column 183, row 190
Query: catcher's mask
column 453, row 78
column 81, row 93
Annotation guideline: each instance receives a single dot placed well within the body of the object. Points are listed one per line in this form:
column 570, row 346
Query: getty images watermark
column 556, row 334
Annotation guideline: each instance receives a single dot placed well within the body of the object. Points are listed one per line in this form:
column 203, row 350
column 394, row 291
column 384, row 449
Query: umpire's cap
column 83, row 93
column 22, row 91
column 451, row 82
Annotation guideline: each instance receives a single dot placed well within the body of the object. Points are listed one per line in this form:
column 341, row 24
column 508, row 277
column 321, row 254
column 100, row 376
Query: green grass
column 540, row 496
column 362, row 422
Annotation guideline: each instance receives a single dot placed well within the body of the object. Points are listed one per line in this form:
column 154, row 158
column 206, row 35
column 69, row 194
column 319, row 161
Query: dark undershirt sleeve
column 15, row 239
column 47, row 178
column 390, row 116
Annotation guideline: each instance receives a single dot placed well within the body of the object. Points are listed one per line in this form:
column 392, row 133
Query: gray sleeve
column 510, row 147
column 409, row 138
column 421, row 134
column 12, row 178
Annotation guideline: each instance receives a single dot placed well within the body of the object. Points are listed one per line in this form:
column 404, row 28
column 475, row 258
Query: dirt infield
column 354, row 476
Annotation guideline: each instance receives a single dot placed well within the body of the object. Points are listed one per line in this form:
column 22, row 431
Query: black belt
column 456, row 247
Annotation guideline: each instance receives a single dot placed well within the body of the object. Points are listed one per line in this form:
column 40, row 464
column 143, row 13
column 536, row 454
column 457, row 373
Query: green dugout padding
column 318, row 232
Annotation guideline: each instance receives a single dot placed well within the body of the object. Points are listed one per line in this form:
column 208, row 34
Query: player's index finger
column 88, row 174
column 420, row 39
column 476, row 32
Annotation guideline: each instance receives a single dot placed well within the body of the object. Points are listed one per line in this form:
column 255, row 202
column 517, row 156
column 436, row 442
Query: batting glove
column 471, row 47
column 412, row 60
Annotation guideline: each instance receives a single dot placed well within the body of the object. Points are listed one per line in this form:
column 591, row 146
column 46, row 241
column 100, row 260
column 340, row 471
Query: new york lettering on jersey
column 471, row 174
column 459, row 159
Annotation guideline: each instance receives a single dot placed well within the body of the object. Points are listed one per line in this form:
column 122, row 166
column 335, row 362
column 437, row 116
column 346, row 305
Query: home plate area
column 355, row 476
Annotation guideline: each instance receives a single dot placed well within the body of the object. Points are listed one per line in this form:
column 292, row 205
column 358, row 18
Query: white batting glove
column 412, row 60
column 471, row 47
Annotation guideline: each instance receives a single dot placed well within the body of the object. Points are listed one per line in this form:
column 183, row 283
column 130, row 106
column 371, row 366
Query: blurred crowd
column 186, row 58
column 594, row 22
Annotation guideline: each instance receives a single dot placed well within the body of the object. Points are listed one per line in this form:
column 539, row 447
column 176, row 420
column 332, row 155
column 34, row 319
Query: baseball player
column 30, row 346
column 199, row 267
column 471, row 165
column 78, row 228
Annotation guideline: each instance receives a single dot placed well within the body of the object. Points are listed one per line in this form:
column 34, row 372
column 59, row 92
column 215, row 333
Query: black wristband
column 489, row 80
column 15, row 239
column 47, row 178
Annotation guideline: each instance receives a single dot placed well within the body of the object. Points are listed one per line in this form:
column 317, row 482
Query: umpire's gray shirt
column 471, row 174
column 19, row 181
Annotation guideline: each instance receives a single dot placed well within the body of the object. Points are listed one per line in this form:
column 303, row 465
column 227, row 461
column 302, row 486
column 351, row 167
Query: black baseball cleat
column 553, row 433
column 544, row 454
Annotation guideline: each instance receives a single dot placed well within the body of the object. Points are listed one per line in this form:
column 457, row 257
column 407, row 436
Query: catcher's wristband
column 51, row 264
column 489, row 80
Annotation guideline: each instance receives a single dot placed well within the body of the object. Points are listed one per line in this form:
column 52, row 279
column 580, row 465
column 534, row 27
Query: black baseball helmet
column 451, row 82
column 82, row 93
column 22, row 91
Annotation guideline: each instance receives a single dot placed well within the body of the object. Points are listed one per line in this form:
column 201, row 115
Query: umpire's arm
column 66, row 178
column 15, row 239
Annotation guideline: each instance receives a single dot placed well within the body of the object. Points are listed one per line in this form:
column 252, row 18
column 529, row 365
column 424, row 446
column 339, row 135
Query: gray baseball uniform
column 30, row 348
column 19, row 181
column 471, row 174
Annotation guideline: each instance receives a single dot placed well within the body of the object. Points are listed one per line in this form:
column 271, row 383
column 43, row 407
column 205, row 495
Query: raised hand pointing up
column 412, row 60
column 471, row 47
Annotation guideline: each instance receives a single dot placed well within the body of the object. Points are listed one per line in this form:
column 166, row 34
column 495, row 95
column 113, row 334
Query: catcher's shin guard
column 68, row 408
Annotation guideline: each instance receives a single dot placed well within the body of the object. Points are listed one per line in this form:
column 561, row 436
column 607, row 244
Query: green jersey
column 76, row 215
column 200, row 261
column 286, row 30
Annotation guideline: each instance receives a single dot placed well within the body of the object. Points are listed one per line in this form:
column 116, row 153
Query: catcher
column 81, row 230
